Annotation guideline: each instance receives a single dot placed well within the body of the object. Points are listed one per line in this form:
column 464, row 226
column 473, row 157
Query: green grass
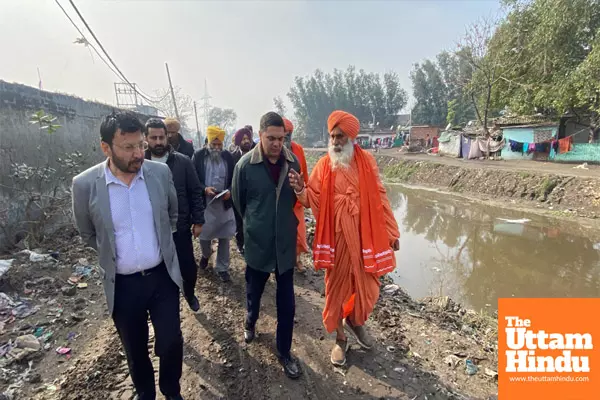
column 546, row 187
column 401, row 171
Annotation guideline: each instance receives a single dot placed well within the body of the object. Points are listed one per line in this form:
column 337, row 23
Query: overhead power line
column 87, row 42
column 113, row 66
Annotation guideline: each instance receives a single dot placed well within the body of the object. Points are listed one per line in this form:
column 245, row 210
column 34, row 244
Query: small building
column 526, row 129
column 420, row 132
column 539, row 129
column 450, row 143
column 368, row 135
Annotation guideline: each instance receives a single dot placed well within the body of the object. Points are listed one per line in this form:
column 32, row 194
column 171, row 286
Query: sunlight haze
column 249, row 52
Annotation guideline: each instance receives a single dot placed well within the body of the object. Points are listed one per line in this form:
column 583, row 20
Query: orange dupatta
column 378, row 256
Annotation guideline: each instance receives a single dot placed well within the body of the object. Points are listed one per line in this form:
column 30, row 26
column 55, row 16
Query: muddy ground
column 420, row 353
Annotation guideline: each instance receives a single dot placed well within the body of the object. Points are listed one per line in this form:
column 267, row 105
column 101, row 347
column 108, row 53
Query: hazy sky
column 248, row 51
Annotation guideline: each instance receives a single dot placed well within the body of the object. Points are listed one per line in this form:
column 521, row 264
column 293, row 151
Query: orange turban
column 287, row 125
column 347, row 122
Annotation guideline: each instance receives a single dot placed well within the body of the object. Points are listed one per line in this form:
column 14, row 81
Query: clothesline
column 554, row 139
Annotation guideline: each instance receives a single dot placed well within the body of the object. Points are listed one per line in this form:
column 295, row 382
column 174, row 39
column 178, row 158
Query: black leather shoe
column 249, row 334
column 290, row 367
column 194, row 304
column 178, row 397
column 224, row 275
column 203, row 263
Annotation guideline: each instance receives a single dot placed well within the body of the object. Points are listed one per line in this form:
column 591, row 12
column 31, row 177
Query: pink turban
column 347, row 122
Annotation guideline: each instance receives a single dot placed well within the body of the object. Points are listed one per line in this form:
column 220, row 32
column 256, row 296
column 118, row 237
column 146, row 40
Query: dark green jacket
column 270, row 226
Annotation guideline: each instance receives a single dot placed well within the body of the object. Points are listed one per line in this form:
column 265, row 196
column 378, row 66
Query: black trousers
column 136, row 297
column 286, row 304
column 187, row 262
column 239, row 234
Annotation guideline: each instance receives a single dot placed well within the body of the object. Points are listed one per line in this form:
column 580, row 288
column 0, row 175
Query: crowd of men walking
column 141, row 208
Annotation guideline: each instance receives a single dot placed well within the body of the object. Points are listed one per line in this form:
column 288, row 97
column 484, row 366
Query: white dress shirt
column 136, row 241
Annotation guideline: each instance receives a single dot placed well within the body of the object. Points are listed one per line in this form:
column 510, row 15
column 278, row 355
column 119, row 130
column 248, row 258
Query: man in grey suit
column 126, row 209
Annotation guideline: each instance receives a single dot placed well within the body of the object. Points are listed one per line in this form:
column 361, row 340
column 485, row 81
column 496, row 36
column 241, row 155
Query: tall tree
column 456, row 74
column 558, row 42
column 430, row 93
column 488, row 66
column 280, row 107
column 224, row 118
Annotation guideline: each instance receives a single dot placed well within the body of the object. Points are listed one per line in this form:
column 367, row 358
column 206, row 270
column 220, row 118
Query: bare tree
column 489, row 65
column 185, row 105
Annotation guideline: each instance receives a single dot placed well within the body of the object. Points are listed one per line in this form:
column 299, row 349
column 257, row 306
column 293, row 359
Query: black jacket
column 190, row 195
column 185, row 147
column 237, row 154
column 198, row 160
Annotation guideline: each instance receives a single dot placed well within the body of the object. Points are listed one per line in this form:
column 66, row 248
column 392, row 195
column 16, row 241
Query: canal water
column 476, row 253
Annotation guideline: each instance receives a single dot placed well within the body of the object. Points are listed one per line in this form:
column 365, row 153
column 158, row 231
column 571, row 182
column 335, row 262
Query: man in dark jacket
column 243, row 142
column 214, row 167
column 190, row 201
column 264, row 198
column 177, row 142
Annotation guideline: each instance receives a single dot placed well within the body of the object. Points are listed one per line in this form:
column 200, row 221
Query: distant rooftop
column 524, row 120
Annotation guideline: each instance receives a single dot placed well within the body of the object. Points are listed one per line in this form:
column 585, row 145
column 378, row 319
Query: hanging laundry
column 525, row 147
column 543, row 147
column 565, row 145
column 530, row 148
column 515, row 146
column 553, row 148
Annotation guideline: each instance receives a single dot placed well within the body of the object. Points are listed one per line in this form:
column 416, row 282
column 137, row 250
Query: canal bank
column 561, row 190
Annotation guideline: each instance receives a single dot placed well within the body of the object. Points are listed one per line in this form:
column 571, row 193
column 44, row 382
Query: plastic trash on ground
column 5, row 265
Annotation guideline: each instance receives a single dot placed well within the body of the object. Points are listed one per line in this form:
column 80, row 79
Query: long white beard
column 341, row 159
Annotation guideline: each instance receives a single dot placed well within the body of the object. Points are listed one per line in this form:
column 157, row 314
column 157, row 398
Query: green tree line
column 542, row 57
column 371, row 97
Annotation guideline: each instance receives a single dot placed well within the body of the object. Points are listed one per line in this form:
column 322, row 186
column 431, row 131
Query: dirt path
column 413, row 339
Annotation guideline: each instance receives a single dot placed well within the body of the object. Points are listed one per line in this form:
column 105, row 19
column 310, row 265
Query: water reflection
column 470, row 252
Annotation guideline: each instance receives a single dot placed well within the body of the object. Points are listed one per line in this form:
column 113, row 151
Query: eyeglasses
column 130, row 148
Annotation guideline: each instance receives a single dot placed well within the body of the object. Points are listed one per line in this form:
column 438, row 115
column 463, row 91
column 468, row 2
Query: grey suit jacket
column 91, row 210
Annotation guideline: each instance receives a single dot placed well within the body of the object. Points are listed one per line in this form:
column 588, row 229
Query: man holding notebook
column 214, row 167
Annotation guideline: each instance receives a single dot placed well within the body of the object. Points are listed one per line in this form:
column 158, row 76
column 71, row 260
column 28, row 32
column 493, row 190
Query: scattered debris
column 471, row 369
column 63, row 350
column 69, row 290
column 582, row 166
column 36, row 257
column 490, row 372
column 5, row 265
column 452, row 360
column 391, row 288
column 23, row 310
column 28, row 342
column 515, row 221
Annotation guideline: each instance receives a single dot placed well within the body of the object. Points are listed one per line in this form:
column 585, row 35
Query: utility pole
column 206, row 105
column 197, row 126
column 172, row 93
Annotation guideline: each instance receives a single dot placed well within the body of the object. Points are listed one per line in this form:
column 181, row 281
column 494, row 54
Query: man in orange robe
column 298, row 150
column 356, row 233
